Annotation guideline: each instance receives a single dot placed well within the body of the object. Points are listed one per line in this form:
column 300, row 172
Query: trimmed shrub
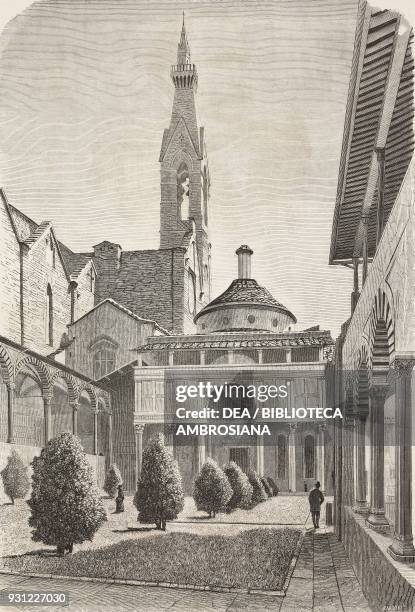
column 258, row 491
column 159, row 496
column 112, row 480
column 266, row 487
column 273, row 486
column 16, row 481
column 211, row 490
column 65, row 501
column 241, row 488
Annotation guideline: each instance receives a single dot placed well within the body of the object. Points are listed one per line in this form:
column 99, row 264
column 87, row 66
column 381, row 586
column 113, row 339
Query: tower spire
column 183, row 49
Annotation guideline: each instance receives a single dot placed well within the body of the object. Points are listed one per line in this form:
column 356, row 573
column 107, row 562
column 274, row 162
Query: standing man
column 315, row 499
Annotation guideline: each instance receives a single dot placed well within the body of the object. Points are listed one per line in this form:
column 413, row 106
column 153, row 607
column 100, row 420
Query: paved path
column 323, row 581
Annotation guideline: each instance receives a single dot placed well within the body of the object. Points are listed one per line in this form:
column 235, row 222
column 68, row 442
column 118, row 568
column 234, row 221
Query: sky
column 85, row 95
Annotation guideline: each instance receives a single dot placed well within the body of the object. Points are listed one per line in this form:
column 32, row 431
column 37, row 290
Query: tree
column 159, row 496
column 113, row 478
column 258, row 491
column 16, row 481
column 65, row 501
column 241, row 488
column 212, row 490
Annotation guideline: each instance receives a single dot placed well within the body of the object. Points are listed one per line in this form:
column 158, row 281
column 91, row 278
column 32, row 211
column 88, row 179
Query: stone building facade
column 373, row 233
column 39, row 396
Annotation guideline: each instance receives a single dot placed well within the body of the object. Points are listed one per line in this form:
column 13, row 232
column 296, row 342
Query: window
column 104, row 352
column 191, row 292
column 183, row 187
column 104, row 362
column 49, row 315
column 205, row 191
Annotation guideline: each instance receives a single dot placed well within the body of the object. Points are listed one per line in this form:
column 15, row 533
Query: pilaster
column 402, row 547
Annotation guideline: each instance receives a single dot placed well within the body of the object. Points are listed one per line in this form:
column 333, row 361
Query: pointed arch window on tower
column 205, row 190
column 183, row 188
column 49, row 315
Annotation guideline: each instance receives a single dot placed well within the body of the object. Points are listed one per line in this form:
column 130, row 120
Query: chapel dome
column 244, row 306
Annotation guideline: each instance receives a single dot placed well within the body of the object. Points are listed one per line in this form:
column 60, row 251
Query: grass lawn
column 281, row 510
column 255, row 558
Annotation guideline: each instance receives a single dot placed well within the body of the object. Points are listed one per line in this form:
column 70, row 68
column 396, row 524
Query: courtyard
column 322, row 578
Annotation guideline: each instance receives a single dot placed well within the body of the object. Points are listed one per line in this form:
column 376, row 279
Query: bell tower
column 184, row 170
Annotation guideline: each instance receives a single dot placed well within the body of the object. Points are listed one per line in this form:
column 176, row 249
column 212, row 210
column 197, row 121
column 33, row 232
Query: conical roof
column 245, row 292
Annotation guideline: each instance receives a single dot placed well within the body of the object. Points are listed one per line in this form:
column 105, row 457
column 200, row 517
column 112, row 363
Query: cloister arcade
column 376, row 463
column 39, row 400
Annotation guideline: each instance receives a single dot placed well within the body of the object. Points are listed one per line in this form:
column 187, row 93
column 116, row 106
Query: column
column 402, row 547
column 75, row 407
column 377, row 519
column 95, row 449
column 260, row 456
column 360, row 505
column 292, row 480
column 348, row 457
column 139, row 430
column 10, row 413
column 321, row 466
column 47, row 399
column 110, row 449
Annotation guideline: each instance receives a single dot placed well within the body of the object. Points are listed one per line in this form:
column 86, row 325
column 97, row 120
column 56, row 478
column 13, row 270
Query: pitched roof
column 74, row 262
column 28, row 232
column 125, row 311
column 141, row 281
column 245, row 291
column 232, row 340
column 25, row 226
column 379, row 117
column 37, row 233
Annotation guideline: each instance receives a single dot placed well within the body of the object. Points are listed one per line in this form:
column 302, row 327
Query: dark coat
column 315, row 499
